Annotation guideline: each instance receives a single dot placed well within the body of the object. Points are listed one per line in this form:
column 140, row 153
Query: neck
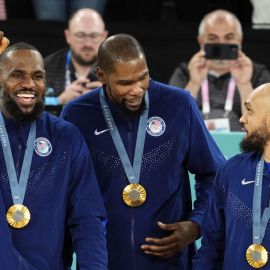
column 81, row 71
column 266, row 153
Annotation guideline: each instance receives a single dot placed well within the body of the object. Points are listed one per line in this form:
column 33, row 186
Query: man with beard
column 220, row 85
column 70, row 73
column 144, row 137
column 236, row 228
column 50, row 192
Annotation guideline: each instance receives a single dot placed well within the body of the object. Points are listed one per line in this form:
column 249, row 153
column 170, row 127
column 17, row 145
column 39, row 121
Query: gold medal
column 134, row 195
column 256, row 255
column 18, row 216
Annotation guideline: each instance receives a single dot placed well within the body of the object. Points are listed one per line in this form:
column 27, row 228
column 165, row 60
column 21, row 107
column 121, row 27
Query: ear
column 101, row 75
column 67, row 35
column 200, row 41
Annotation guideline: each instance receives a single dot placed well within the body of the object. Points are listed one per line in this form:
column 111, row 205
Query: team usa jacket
column 176, row 142
column 62, row 196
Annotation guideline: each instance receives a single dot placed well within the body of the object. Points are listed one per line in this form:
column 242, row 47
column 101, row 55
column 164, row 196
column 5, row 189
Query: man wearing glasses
column 71, row 71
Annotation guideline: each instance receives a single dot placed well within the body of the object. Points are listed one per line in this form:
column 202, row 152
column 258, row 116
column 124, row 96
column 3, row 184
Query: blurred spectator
column 220, row 85
column 61, row 10
column 71, row 72
column 261, row 13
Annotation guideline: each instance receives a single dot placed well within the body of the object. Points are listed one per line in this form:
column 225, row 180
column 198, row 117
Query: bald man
column 70, row 72
column 220, row 85
column 236, row 231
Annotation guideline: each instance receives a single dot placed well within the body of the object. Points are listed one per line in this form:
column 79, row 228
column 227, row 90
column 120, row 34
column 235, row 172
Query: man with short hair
column 220, row 85
column 71, row 73
column 144, row 136
column 48, row 182
column 236, row 225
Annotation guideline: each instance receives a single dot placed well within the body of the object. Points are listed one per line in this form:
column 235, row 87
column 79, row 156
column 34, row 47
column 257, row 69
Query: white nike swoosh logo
column 246, row 182
column 100, row 132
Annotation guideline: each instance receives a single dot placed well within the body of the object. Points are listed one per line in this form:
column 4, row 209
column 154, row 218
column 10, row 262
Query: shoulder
column 239, row 163
column 88, row 102
column 57, row 126
column 162, row 90
column 56, row 56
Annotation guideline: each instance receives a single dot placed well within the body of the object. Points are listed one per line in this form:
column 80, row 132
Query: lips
column 26, row 98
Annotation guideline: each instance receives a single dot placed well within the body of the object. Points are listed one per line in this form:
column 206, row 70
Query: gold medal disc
column 18, row 216
column 134, row 195
column 256, row 255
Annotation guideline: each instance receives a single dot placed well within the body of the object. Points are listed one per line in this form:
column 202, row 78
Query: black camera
column 220, row 51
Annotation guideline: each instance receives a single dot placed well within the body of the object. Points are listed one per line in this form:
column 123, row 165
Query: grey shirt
column 218, row 89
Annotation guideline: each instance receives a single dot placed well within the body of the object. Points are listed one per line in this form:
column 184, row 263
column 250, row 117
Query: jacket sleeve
column 86, row 211
column 211, row 254
column 204, row 159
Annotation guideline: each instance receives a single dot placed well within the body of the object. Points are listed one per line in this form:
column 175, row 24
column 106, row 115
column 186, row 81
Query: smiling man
column 144, row 136
column 47, row 180
column 236, row 228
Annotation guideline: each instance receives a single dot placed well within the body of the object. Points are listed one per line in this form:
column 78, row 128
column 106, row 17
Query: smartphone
column 221, row 51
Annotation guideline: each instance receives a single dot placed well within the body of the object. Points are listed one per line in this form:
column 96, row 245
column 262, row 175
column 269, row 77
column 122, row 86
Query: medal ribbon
column 229, row 98
column 132, row 172
column 17, row 188
column 259, row 224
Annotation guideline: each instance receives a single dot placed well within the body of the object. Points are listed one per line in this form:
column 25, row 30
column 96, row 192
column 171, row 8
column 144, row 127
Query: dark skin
column 4, row 42
column 126, row 83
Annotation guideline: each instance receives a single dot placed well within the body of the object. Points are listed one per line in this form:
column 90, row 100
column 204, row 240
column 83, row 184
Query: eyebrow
column 146, row 73
column 248, row 106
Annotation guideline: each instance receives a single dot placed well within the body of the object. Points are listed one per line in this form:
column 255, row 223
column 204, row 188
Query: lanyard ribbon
column 132, row 172
column 17, row 188
column 259, row 224
column 229, row 98
column 67, row 74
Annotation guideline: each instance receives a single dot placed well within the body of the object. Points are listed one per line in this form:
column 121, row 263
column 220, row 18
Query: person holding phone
column 220, row 76
column 70, row 72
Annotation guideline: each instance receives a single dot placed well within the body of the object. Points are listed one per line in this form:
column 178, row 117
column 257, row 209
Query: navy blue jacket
column 227, row 230
column 62, row 195
column 180, row 143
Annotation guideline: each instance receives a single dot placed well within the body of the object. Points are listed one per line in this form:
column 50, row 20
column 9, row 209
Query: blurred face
column 23, row 84
column 127, row 83
column 220, row 31
column 85, row 34
column 254, row 121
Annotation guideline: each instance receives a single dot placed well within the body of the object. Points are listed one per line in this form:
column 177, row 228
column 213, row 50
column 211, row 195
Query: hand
column 242, row 69
column 4, row 42
column 75, row 89
column 93, row 85
column 183, row 233
column 198, row 68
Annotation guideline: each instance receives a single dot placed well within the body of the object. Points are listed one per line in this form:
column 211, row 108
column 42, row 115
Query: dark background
column 167, row 29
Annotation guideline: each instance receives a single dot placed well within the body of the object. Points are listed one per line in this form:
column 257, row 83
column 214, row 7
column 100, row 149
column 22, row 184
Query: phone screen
column 221, row 51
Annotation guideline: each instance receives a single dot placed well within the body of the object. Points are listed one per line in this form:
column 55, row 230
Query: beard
column 14, row 110
column 256, row 141
column 130, row 113
column 82, row 61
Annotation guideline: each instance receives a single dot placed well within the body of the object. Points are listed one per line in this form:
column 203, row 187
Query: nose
column 242, row 119
column 137, row 90
column 27, row 82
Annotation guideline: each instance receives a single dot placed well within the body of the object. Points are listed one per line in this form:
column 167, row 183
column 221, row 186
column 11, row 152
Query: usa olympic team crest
column 42, row 146
column 155, row 126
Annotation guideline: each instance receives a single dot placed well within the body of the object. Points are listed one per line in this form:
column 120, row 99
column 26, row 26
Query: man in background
column 220, row 85
column 70, row 72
